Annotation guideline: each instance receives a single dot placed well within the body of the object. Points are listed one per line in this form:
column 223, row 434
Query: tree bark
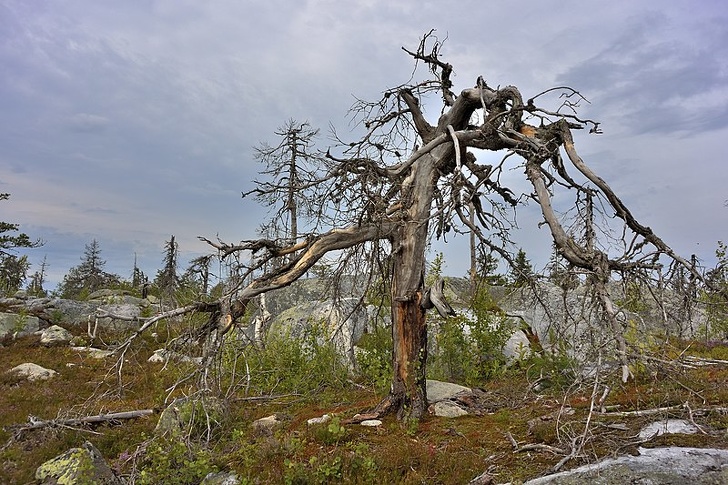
column 408, row 395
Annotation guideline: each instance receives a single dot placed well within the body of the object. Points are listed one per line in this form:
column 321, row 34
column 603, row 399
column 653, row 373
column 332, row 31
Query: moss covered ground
column 537, row 417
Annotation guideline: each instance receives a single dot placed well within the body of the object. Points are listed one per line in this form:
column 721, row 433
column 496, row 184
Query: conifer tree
column 89, row 276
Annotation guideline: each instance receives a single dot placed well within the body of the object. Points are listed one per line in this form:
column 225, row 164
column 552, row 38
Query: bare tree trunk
column 260, row 323
column 408, row 395
column 292, row 188
column 473, row 255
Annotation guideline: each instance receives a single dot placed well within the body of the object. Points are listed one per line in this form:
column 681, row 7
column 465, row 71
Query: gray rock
column 668, row 426
column 55, row 336
column 65, row 312
column 32, row 372
column 119, row 316
column 517, row 347
column 71, row 312
column 108, row 294
column 372, row 423
column 653, row 466
column 341, row 322
column 441, row 391
column 77, row 466
column 448, row 409
column 17, row 324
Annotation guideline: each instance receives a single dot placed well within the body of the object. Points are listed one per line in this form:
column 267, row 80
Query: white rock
column 94, row 352
column 668, row 426
column 163, row 355
column 320, row 420
column 371, row 422
column 32, row 372
column 266, row 425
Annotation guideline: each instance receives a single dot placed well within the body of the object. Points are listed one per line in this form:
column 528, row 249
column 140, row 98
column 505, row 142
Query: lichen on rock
column 77, row 466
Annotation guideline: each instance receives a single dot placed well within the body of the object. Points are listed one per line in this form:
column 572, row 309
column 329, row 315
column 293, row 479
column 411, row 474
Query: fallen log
column 35, row 423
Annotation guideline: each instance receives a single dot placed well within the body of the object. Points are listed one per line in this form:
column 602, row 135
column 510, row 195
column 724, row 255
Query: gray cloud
column 132, row 123
column 87, row 123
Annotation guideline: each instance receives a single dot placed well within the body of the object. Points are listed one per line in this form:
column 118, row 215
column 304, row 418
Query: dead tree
column 408, row 180
column 291, row 169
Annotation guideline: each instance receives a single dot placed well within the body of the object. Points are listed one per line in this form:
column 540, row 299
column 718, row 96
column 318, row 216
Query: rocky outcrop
column 342, row 322
column 77, row 466
column 664, row 466
column 18, row 324
column 109, row 309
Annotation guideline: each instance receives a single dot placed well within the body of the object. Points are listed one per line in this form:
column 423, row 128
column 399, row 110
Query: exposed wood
column 76, row 422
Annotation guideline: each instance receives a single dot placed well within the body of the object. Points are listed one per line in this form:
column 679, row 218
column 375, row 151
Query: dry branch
column 35, row 423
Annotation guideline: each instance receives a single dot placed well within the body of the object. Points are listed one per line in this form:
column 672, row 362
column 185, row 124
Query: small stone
column 94, row 352
column 371, row 422
column 221, row 478
column 320, row 420
column 163, row 355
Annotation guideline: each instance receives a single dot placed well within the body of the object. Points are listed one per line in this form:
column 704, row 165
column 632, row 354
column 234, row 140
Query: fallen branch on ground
column 35, row 423
column 532, row 446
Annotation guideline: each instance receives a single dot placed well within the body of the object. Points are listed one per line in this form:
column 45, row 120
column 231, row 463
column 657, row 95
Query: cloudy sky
column 128, row 122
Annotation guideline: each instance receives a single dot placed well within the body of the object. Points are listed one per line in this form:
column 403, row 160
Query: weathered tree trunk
column 409, row 331
column 408, row 397
column 291, row 204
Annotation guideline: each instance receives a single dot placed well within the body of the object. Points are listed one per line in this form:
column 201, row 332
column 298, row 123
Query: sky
column 128, row 122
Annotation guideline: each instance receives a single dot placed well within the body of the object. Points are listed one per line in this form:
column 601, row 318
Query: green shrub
column 174, row 462
column 330, row 433
column 374, row 362
column 287, row 364
column 470, row 349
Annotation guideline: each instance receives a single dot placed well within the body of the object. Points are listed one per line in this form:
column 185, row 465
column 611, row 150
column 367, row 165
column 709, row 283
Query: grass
column 439, row 450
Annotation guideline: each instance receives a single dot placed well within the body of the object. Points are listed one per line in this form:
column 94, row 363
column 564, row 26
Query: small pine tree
column 522, row 271
column 89, row 276
column 167, row 280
